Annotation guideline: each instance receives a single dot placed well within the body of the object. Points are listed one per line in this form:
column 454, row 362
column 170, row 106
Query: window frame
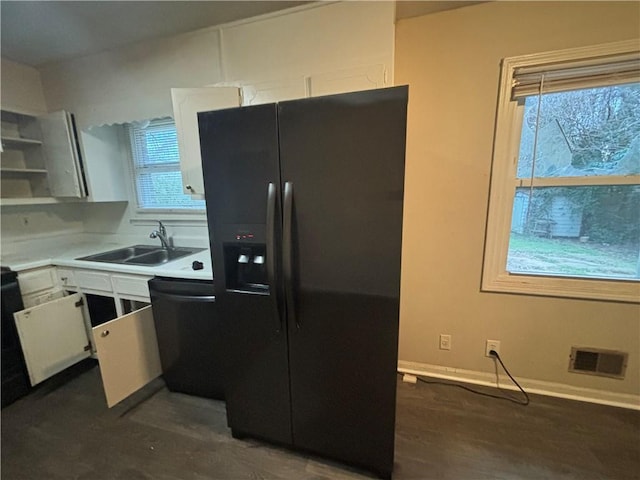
column 504, row 180
column 190, row 214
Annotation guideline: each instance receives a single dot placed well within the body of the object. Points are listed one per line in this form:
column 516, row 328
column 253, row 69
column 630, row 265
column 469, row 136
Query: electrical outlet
column 445, row 342
column 492, row 345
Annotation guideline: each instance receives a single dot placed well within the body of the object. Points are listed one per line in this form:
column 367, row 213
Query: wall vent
column 595, row 361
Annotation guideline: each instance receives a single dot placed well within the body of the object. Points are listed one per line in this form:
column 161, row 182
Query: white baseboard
column 551, row 389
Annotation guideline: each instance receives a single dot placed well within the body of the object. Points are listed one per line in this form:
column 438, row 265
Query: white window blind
column 584, row 73
column 156, row 164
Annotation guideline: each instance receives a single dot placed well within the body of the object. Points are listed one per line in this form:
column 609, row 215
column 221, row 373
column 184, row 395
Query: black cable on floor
column 526, row 396
column 499, row 397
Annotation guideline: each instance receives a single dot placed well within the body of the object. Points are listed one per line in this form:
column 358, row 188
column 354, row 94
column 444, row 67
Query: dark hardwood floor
column 65, row 431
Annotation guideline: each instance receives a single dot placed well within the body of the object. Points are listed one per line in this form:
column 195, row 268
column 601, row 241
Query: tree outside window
column 564, row 208
column 585, row 231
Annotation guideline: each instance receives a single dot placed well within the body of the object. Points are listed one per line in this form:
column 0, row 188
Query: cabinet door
column 64, row 169
column 53, row 336
column 127, row 350
column 187, row 102
column 105, row 162
column 274, row 91
column 348, row 80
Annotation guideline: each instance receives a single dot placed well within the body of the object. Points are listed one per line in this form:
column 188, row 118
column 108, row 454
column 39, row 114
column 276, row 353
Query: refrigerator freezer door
column 240, row 161
column 345, row 156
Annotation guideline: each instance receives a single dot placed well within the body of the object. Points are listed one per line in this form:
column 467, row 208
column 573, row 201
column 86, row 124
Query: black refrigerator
column 304, row 204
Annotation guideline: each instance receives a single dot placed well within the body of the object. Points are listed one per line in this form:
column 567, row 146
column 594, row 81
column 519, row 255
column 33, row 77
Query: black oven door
column 15, row 379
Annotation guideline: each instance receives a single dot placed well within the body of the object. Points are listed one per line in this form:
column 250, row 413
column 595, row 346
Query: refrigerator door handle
column 287, row 258
column 271, row 253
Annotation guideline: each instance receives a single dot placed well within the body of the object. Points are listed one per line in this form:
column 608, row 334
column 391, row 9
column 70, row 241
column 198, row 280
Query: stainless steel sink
column 120, row 255
column 150, row 255
column 160, row 256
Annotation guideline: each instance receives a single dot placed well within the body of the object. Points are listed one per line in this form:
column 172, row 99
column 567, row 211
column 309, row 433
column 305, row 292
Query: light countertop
column 64, row 251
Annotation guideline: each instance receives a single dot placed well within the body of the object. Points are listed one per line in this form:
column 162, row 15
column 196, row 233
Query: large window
column 564, row 214
column 156, row 165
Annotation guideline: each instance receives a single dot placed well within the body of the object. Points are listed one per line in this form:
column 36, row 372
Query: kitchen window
column 564, row 213
column 156, row 167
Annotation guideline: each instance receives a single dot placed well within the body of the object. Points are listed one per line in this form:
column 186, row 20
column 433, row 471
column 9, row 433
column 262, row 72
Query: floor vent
column 595, row 361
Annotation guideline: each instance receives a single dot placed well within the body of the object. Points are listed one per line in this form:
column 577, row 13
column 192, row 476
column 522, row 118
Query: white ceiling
column 38, row 32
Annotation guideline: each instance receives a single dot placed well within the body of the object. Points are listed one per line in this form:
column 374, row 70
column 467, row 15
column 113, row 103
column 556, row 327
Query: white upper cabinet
column 65, row 172
column 274, row 91
column 187, row 103
column 105, row 163
column 314, row 85
column 328, row 37
column 347, row 80
column 40, row 158
column 43, row 160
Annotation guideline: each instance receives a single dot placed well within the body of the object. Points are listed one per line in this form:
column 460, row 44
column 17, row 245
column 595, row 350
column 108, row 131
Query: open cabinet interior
column 40, row 158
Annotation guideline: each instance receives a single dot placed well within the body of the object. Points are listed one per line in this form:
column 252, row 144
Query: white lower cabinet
column 65, row 277
column 39, row 286
column 93, row 281
column 131, row 287
column 53, row 336
column 128, row 354
column 37, row 280
column 58, row 333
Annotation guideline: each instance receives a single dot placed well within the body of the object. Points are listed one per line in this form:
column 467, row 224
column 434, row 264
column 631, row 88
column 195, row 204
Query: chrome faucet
column 161, row 233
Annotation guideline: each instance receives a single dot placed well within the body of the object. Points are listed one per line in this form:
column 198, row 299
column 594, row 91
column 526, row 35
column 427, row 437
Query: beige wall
column 451, row 60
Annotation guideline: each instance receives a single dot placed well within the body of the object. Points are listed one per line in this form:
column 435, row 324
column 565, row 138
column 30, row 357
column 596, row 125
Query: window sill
column 609, row 290
column 176, row 217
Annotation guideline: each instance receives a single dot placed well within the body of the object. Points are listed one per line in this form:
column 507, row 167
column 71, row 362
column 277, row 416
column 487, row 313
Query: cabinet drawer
column 36, row 280
column 131, row 285
column 66, row 277
column 93, row 280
